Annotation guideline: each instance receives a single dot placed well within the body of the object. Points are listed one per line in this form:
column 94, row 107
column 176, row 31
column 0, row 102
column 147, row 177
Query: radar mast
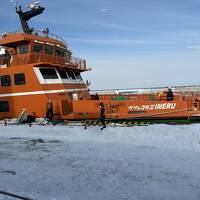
column 34, row 10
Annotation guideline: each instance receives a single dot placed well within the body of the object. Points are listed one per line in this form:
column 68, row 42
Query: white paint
column 41, row 92
column 75, row 96
column 54, row 81
column 159, row 106
column 39, row 42
column 2, row 51
column 3, row 66
column 51, row 44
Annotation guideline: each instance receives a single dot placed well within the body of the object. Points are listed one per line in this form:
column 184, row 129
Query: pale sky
column 128, row 43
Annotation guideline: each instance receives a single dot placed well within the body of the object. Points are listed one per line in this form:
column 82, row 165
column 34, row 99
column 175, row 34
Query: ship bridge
column 40, row 48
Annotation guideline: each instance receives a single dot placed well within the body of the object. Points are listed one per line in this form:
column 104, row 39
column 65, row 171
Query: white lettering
column 173, row 105
column 163, row 106
column 152, row 107
column 168, row 106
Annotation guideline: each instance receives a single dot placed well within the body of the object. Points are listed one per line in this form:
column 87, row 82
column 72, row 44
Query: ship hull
column 137, row 109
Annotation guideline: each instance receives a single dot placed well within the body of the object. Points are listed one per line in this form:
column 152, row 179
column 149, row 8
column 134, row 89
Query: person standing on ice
column 102, row 115
column 49, row 111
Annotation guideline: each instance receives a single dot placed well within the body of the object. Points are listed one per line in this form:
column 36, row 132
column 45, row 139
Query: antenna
column 34, row 10
column 34, row 5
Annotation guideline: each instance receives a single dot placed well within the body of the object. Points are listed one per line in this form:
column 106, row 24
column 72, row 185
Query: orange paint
column 29, row 53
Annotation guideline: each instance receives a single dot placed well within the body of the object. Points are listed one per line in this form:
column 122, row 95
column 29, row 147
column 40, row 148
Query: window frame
column 25, row 51
column 46, row 78
column 66, row 78
column 68, row 73
column 79, row 75
column 39, row 50
column 21, row 82
column 60, row 53
column 47, row 48
column 7, row 107
column 3, row 77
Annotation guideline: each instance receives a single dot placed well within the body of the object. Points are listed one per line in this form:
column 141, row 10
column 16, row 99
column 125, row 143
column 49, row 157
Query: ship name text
column 159, row 106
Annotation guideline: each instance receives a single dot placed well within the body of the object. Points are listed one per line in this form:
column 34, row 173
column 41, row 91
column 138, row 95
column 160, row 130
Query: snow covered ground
column 158, row 162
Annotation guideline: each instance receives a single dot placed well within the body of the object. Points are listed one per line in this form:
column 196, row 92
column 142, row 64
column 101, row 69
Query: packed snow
column 157, row 162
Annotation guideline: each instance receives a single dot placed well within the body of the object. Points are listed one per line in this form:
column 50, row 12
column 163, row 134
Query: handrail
column 138, row 97
column 37, row 33
column 31, row 58
column 81, row 63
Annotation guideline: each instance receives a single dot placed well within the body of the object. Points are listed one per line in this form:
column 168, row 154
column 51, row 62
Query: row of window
column 19, row 79
column 39, row 48
column 51, row 74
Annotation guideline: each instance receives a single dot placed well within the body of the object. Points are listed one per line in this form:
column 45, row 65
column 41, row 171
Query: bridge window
column 71, row 75
column 60, row 53
column 48, row 73
column 5, row 80
column 38, row 48
column 78, row 75
column 62, row 74
column 4, row 106
column 19, row 79
column 48, row 50
column 23, row 49
column 68, row 54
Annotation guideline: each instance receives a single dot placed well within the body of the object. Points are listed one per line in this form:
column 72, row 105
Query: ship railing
column 31, row 58
column 139, row 97
column 176, row 97
column 80, row 63
column 38, row 33
column 194, row 102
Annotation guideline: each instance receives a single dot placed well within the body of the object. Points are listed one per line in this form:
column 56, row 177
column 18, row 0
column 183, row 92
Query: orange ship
column 37, row 68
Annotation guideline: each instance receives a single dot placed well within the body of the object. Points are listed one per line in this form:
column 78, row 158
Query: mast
column 35, row 10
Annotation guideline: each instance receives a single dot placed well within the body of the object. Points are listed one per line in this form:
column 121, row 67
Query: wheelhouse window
column 4, row 106
column 71, row 75
column 48, row 73
column 19, row 79
column 78, row 76
column 48, row 50
column 5, row 80
column 63, row 74
column 23, row 49
column 68, row 54
column 60, row 53
column 37, row 48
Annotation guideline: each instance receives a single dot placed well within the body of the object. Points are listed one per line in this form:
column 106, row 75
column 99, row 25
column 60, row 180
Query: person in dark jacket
column 102, row 115
column 170, row 95
column 49, row 110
